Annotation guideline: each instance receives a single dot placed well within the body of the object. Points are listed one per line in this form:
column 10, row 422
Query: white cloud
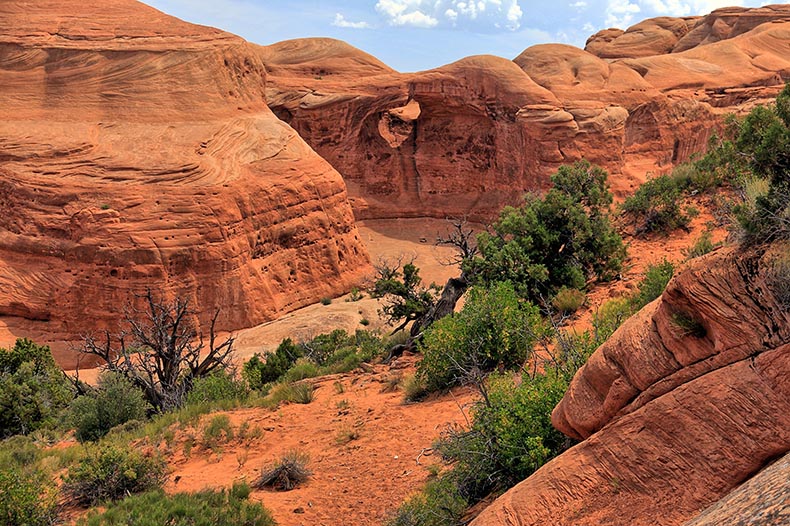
column 475, row 15
column 340, row 21
column 581, row 4
column 684, row 8
column 620, row 13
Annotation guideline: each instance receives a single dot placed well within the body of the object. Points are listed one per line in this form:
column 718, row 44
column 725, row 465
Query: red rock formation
column 138, row 151
column 762, row 500
column 482, row 134
column 687, row 400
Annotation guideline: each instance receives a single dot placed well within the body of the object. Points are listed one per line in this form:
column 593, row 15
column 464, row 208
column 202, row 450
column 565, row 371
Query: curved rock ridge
column 635, row 115
column 137, row 151
column 664, row 35
column 687, row 399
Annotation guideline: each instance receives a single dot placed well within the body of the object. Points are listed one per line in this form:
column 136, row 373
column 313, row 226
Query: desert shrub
column 495, row 327
column 115, row 402
column 218, row 430
column 656, row 206
column 297, row 393
column 610, row 315
column 206, row 508
column 221, row 385
column 34, row 393
column 285, row 475
column 303, row 368
column 653, row 284
column 414, row 388
column 702, row 245
column 259, row 372
column 687, row 325
column 26, row 499
column 511, row 435
column 561, row 239
column 568, row 301
column 321, row 348
column 110, row 473
column 439, row 504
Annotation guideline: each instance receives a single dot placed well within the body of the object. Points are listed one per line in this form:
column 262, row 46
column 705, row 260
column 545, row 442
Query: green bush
column 219, row 386
column 34, row 393
column 561, row 239
column 260, row 372
column 656, row 206
column 656, row 278
column 511, row 435
column 495, row 327
column 439, row 504
column 110, row 473
column 206, row 508
column 703, row 245
column 26, row 500
column 115, row 402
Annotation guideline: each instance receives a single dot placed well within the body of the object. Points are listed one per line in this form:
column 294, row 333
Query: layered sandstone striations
column 470, row 136
column 137, row 151
column 686, row 401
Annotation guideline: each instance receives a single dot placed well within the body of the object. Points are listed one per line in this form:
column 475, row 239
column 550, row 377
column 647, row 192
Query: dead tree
column 160, row 351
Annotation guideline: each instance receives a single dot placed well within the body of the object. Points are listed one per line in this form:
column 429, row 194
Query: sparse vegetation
column 656, row 206
column 285, row 475
column 114, row 402
column 702, row 245
column 206, row 508
column 34, row 393
column 110, row 473
column 687, row 325
column 26, row 499
column 568, row 301
column 326, row 301
column 218, row 431
column 296, row 393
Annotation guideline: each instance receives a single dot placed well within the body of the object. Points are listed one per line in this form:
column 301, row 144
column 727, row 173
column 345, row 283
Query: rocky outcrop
column 763, row 500
column 479, row 134
column 688, row 399
column 137, row 151
column 665, row 35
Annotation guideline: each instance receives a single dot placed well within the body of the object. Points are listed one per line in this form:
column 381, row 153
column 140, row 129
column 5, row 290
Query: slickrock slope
column 762, row 501
column 137, row 151
column 431, row 143
column 686, row 401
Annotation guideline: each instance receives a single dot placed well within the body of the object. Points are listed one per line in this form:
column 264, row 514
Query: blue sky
column 411, row 35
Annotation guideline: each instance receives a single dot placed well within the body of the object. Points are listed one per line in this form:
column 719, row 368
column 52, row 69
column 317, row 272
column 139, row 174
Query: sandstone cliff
column 635, row 102
column 138, row 151
column 701, row 373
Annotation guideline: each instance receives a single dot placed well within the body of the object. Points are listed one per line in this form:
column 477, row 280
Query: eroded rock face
column 688, row 399
column 138, row 152
column 486, row 133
